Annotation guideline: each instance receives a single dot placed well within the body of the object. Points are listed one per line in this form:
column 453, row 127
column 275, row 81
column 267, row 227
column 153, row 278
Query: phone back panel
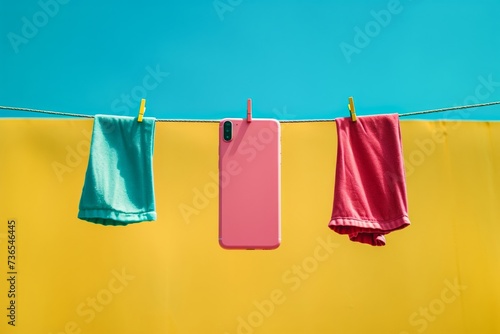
column 249, row 185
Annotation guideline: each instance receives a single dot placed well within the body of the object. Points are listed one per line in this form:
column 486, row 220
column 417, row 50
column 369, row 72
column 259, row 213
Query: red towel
column 370, row 188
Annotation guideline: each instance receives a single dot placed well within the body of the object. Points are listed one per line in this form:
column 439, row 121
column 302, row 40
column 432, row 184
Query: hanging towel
column 370, row 188
column 118, row 188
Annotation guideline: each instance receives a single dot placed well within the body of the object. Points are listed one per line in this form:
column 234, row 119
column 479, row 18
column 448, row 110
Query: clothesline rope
column 59, row 113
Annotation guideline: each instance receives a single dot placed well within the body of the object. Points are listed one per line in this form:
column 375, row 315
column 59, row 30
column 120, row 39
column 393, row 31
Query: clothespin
column 352, row 110
column 142, row 110
column 249, row 110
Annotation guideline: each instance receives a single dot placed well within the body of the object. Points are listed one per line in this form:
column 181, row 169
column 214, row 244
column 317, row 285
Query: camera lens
column 228, row 130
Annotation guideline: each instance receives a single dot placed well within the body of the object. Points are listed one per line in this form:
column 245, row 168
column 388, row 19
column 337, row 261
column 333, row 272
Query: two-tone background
column 202, row 60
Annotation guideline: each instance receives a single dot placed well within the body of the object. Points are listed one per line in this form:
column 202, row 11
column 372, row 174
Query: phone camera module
column 228, row 130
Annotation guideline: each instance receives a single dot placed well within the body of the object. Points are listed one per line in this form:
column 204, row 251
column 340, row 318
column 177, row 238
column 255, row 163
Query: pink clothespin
column 249, row 110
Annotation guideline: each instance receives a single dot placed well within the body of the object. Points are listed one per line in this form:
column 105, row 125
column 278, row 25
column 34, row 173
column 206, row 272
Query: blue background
column 295, row 59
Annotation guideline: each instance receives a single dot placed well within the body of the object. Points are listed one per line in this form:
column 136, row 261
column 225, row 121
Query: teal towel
column 119, row 187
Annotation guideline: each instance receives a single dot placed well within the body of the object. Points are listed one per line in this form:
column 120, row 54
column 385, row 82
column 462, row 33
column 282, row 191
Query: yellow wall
column 440, row 275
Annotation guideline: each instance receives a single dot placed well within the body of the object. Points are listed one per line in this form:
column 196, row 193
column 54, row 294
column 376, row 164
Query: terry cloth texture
column 119, row 185
column 370, row 187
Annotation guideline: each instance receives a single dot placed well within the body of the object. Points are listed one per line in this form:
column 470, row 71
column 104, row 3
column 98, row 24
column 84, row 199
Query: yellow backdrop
column 439, row 275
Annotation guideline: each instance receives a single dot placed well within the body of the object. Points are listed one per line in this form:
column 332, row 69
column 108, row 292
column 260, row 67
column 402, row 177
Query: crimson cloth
column 370, row 187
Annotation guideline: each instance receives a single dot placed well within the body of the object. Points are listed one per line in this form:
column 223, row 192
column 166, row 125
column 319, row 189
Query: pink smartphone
column 249, row 184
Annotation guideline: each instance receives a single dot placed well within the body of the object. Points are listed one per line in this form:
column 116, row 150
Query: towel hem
column 111, row 217
column 349, row 225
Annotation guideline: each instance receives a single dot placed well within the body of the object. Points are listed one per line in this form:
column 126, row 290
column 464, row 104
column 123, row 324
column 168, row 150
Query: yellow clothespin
column 142, row 110
column 352, row 110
